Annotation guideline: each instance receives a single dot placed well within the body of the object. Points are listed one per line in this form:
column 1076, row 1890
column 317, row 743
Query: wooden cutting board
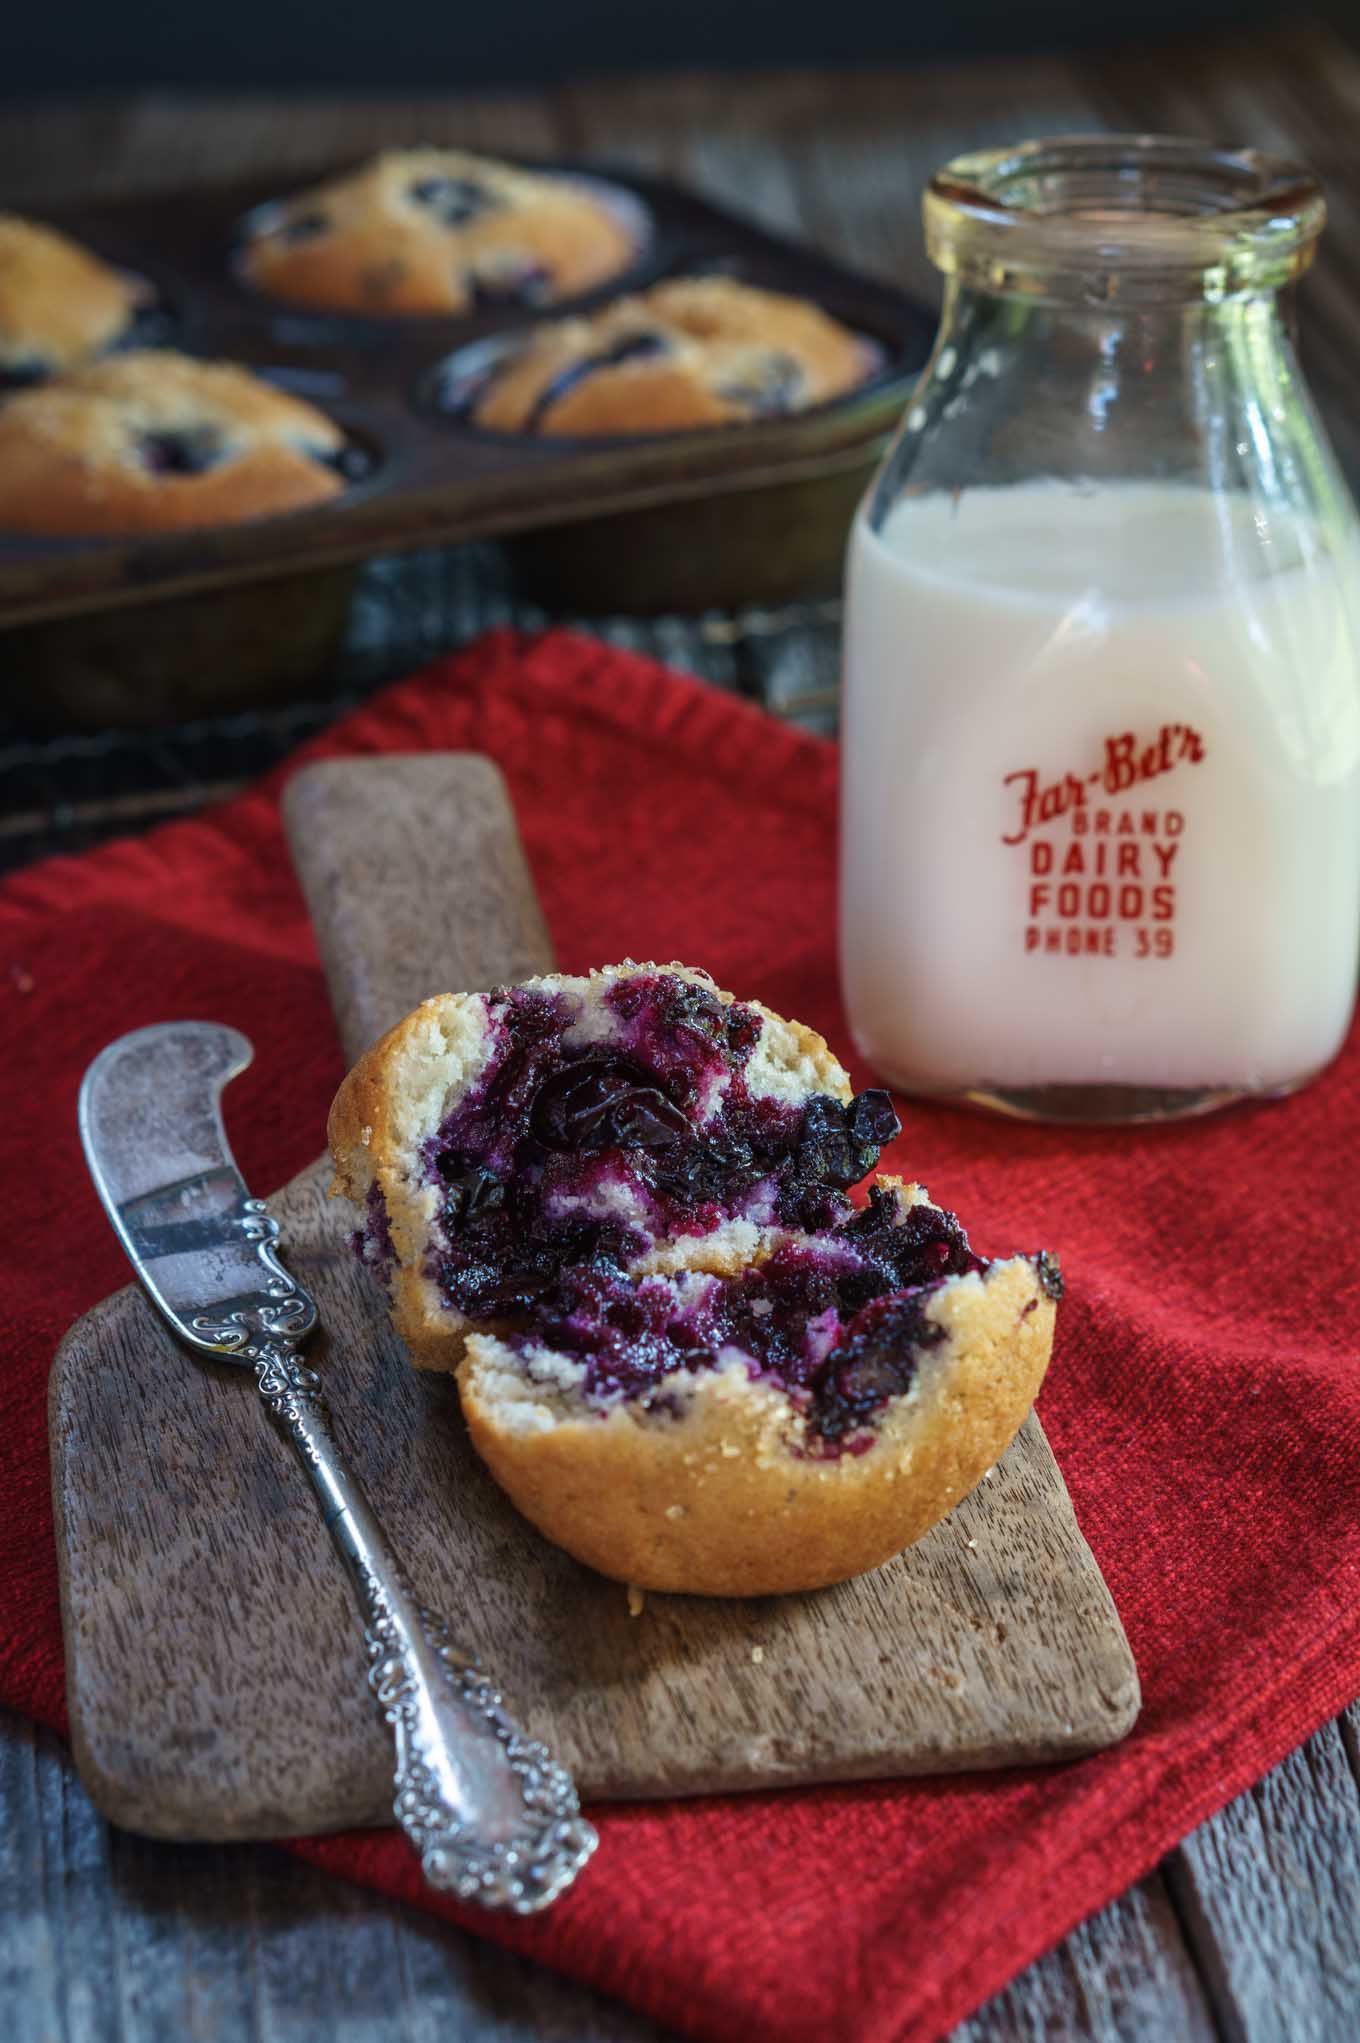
column 215, row 1667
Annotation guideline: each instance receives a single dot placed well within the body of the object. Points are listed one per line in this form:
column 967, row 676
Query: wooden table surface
column 1251, row 1929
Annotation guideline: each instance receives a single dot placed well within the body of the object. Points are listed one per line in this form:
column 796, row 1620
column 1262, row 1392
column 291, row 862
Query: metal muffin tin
column 755, row 513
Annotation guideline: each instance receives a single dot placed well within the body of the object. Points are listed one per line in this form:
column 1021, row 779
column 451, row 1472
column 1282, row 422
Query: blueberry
column 685, row 1006
column 915, row 1246
column 186, row 450
column 743, row 1031
column 701, row 1170
column 474, row 1193
column 352, row 463
column 23, row 373
column 876, row 1362
column 511, row 1294
column 151, row 326
column 529, row 284
column 453, row 200
column 633, row 347
column 871, row 1117
column 772, row 387
column 837, row 1145
column 604, row 1105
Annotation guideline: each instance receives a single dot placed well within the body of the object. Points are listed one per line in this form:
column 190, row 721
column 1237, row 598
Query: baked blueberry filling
column 184, row 450
column 876, row 1360
column 580, row 1147
column 837, row 1333
column 568, row 1154
column 373, row 1241
column 633, row 347
column 453, row 200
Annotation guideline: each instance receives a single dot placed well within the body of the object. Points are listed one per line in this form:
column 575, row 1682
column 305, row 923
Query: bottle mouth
column 1123, row 215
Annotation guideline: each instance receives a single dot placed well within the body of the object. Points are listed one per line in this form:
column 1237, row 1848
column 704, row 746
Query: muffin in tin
column 151, row 441
column 59, row 305
column 696, row 351
column 429, row 231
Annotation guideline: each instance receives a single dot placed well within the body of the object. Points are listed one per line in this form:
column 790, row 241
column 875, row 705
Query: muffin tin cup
column 715, row 518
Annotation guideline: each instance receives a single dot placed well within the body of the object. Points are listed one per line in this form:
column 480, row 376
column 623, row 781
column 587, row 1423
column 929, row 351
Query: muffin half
column 618, row 1206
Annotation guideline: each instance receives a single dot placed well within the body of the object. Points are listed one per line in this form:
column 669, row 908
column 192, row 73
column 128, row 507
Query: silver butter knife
column 495, row 1819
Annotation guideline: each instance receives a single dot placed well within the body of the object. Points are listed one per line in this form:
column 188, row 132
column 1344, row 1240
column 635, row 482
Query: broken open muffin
column 618, row 1205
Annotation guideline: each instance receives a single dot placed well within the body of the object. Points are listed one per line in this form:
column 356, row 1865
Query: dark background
column 451, row 45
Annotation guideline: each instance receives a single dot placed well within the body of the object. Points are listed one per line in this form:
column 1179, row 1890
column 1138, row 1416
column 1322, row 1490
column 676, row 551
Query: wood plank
column 1124, row 1974
column 51, row 152
column 1297, row 94
column 214, row 1668
column 110, row 1938
column 1269, row 1894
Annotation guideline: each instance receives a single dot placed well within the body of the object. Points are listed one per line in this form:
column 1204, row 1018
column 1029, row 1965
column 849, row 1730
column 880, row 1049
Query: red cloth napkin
column 1203, row 1401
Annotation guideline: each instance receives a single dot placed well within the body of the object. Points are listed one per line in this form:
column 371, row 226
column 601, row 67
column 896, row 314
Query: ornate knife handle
column 495, row 1819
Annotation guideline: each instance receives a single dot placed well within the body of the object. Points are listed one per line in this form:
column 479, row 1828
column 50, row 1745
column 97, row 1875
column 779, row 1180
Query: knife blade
column 150, row 1117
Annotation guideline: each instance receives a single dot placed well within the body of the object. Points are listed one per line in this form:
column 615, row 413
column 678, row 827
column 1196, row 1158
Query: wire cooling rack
column 66, row 792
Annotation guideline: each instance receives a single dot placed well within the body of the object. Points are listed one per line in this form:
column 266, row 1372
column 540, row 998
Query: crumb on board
column 757, row 1654
column 676, row 1511
column 636, row 1600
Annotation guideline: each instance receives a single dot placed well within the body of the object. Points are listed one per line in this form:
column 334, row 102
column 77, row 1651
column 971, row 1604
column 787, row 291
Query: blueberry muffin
column 59, row 305
column 694, row 352
column 154, row 442
column 435, row 231
column 617, row 1205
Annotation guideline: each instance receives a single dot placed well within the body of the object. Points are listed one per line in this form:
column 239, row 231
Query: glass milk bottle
column 1101, row 795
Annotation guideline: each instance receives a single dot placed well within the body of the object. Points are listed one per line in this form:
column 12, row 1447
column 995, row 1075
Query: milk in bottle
column 1102, row 791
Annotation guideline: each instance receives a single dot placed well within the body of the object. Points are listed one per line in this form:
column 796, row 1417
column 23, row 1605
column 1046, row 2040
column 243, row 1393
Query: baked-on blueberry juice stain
column 1101, row 818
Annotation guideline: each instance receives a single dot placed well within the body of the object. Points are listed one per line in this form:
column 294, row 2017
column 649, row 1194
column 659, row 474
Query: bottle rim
column 1122, row 214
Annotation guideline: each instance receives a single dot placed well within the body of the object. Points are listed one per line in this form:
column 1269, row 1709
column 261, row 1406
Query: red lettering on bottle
column 1119, row 771
column 1083, row 889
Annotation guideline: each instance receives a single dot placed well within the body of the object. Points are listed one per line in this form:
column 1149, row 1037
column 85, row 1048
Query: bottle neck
column 1167, row 390
column 1124, row 219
